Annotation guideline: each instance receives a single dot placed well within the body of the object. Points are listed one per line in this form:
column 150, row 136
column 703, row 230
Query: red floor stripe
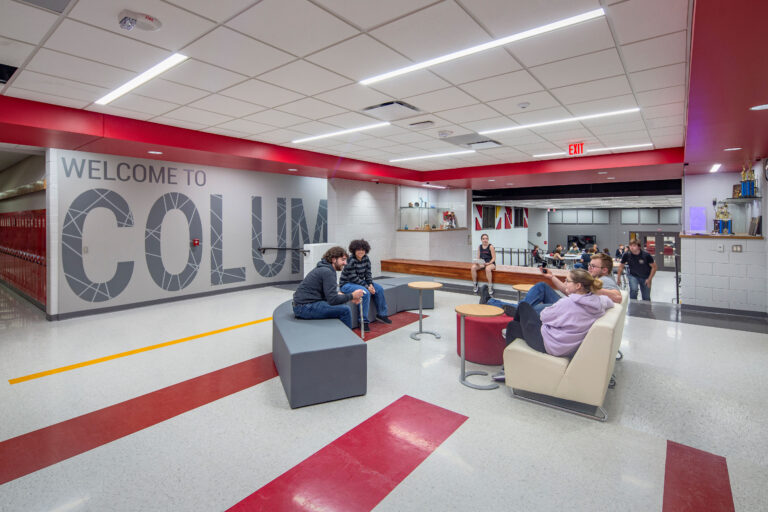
column 695, row 480
column 357, row 470
column 36, row 450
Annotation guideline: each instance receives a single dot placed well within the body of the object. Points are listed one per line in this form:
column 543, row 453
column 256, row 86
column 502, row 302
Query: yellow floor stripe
column 131, row 352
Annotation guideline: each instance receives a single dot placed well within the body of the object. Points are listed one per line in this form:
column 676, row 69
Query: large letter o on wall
column 72, row 245
column 163, row 278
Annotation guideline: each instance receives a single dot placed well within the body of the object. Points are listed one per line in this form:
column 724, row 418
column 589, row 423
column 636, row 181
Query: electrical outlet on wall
column 736, row 248
column 720, row 248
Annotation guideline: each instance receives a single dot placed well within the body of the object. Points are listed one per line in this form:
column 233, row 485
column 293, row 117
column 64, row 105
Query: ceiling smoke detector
column 391, row 110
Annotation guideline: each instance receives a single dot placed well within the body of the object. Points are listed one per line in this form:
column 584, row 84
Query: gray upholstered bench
column 317, row 360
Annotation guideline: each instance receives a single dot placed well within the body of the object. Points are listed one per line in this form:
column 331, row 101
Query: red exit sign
column 576, row 149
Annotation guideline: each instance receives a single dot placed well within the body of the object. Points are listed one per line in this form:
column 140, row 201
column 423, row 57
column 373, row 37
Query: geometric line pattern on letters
column 72, row 245
column 262, row 267
column 299, row 231
column 219, row 274
column 152, row 247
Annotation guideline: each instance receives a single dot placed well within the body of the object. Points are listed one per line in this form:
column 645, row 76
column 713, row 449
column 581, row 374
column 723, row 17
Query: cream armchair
column 583, row 378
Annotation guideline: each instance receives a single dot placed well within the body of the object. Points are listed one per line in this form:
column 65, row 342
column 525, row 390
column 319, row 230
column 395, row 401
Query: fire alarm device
column 195, row 242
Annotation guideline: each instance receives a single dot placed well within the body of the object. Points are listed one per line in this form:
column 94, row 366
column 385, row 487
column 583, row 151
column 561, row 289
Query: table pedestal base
column 415, row 335
column 463, row 380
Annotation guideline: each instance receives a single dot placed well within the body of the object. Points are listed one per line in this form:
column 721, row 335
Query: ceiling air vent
column 391, row 110
column 422, row 125
column 51, row 5
column 473, row 141
column 6, row 72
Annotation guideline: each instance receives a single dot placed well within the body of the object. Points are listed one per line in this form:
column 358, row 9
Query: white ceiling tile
column 671, row 109
column 437, row 146
column 276, row 118
column 280, row 136
column 14, row 53
column 452, row 97
column 543, row 115
column 179, row 26
column 671, row 141
column 536, row 101
column 656, row 52
column 421, row 36
column 311, row 108
column 58, row 86
column 622, row 119
column 580, row 69
column 227, row 106
column 596, row 89
column 178, row 123
column 386, row 131
column 17, row 92
column 373, row 153
column 478, row 66
column 234, row 51
column 572, row 134
column 170, row 91
column 466, row 114
column 316, row 128
column 517, row 137
column 449, row 130
column 24, row 23
column 367, row 14
column 261, row 93
column 538, row 148
column 614, row 124
column 554, row 131
column 75, row 68
column 219, row 10
column 505, row 17
column 488, row 124
column 411, row 84
column 409, row 138
column 143, row 104
column 295, row 26
column 640, row 19
column 359, row 58
column 203, row 76
column 375, row 143
column 505, row 153
column 115, row 111
column 605, row 105
column 625, row 138
column 352, row 97
column 666, row 131
column 666, row 76
column 249, row 127
column 350, row 120
column 346, row 147
column 660, row 122
column 304, row 77
column 195, row 115
column 661, row 96
column 223, row 131
column 502, row 86
column 565, row 43
column 100, row 45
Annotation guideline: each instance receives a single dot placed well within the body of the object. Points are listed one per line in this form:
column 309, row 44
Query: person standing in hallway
column 487, row 253
column 642, row 268
column 357, row 276
column 318, row 297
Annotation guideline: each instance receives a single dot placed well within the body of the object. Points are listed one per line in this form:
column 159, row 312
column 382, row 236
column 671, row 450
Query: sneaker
column 484, row 295
column 498, row 376
column 384, row 318
column 510, row 311
column 490, row 291
column 474, row 290
column 367, row 326
column 504, row 333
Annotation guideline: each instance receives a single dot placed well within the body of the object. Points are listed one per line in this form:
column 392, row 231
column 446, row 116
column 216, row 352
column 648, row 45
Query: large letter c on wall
column 72, row 245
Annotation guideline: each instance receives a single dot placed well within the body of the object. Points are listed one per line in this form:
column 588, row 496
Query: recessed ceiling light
column 433, row 186
column 610, row 177
column 594, row 150
column 731, row 149
column 510, row 183
column 146, row 76
column 491, row 180
column 486, row 46
column 432, row 156
column 759, row 107
column 559, row 153
column 560, row 121
column 715, row 167
column 602, row 172
column 293, row 170
column 341, row 132
column 155, row 152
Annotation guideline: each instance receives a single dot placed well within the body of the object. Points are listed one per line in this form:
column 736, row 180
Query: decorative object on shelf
column 434, row 226
column 723, row 222
column 736, row 191
column 410, row 205
column 406, row 227
column 416, row 204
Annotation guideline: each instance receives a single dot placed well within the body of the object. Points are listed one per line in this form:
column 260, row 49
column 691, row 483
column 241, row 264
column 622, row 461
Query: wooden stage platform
column 504, row 274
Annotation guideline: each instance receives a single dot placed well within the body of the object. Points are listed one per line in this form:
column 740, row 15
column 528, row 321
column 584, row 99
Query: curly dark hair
column 356, row 245
column 334, row 253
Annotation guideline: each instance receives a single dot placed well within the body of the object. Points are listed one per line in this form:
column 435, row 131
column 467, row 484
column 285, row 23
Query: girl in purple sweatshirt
column 561, row 327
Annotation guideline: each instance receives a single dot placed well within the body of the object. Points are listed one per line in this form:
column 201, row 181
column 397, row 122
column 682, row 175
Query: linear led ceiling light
column 486, row 46
column 715, row 167
column 633, row 146
column 559, row 153
column 560, row 121
column 759, row 107
column 432, row 156
column 433, row 186
column 342, row 132
column 146, row 76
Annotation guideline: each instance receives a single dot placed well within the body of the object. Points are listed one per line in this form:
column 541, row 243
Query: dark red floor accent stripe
column 398, row 320
column 357, row 470
column 695, row 480
column 33, row 451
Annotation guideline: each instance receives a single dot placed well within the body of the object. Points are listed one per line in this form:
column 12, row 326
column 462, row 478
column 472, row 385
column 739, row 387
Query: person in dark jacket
column 318, row 297
column 357, row 276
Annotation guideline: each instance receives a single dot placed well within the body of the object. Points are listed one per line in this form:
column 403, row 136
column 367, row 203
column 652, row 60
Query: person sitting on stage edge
column 318, row 297
column 486, row 252
column 357, row 276
column 560, row 328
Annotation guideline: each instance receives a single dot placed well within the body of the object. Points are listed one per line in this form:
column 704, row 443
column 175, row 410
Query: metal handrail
column 301, row 250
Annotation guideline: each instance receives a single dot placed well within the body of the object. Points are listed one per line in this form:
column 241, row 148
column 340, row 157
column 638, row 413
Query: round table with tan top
column 465, row 310
column 521, row 289
column 421, row 286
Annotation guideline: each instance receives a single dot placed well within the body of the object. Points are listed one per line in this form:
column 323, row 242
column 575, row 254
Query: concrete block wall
column 725, row 279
